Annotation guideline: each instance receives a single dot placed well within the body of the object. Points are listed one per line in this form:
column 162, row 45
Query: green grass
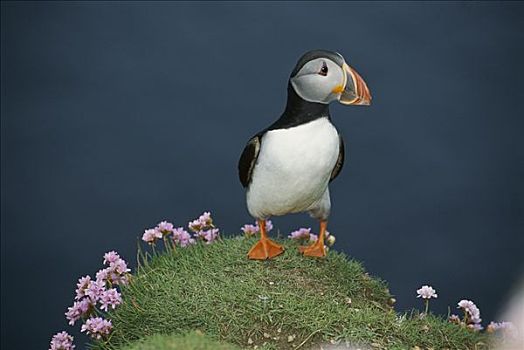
column 289, row 302
column 193, row 341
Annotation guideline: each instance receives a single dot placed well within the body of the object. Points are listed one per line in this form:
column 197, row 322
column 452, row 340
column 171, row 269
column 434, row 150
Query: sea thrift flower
column 495, row 326
column 116, row 273
column 151, row 235
column 109, row 275
column 95, row 290
column 97, row 327
column 471, row 311
column 62, row 341
column 203, row 223
column 111, row 257
column 110, row 297
column 301, row 233
column 79, row 309
column 508, row 329
column 209, row 236
column 120, row 280
column 81, row 286
column 305, row 234
column 102, row 276
column 119, row 266
column 454, row 319
column 195, row 225
column 182, row 238
column 475, row 326
column 476, row 318
column 206, row 219
column 250, row 230
column 426, row 293
column 165, row 227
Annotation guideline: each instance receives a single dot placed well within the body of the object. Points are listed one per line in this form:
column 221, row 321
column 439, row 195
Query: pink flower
column 250, row 230
column 426, row 292
column 95, row 290
column 110, row 297
column 102, row 275
column 471, row 311
column 111, row 257
column 119, row 266
column 476, row 318
column 120, row 280
column 475, row 326
column 195, row 225
column 313, row 237
column 203, row 228
column 507, row 328
column 62, row 341
column 151, row 235
column 81, row 286
column 165, row 227
column 206, row 219
column 454, row 319
column 209, row 236
column 269, row 225
column 182, row 238
column 117, row 272
column 97, row 327
column 86, row 287
column 111, row 276
column 301, row 233
column 79, row 309
column 203, row 223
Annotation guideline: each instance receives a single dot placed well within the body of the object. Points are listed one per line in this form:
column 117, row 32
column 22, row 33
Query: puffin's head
column 323, row 76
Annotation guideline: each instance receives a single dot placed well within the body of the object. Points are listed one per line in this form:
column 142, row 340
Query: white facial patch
column 313, row 86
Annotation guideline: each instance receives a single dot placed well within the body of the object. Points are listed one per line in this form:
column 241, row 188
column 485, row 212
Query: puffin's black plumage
column 299, row 111
column 340, row 161
column 248, row 159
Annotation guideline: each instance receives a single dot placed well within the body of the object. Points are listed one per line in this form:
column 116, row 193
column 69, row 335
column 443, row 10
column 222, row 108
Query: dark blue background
column 118, row 115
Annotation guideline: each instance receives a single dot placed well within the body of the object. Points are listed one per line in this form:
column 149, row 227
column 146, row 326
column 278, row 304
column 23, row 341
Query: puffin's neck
column 299, row 111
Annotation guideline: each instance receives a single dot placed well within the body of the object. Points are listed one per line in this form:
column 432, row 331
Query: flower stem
column 427, row 305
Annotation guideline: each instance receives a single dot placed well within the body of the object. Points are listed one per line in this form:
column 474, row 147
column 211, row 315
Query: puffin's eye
column 324, row 69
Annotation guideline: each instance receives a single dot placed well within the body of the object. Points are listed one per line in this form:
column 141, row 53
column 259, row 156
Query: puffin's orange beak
column 355, row 90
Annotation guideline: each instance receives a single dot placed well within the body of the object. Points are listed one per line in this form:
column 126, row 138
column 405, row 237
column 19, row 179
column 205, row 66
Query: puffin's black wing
column 248, row 159
column 340, row 161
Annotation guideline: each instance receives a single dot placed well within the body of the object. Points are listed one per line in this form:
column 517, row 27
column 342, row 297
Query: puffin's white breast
column 293, row 169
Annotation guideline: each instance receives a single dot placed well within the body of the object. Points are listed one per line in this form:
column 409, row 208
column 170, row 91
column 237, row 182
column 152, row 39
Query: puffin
column 287, row 167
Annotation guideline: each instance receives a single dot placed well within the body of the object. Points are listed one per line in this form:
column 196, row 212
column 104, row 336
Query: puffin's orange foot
column 314, row 250
column 265, row 249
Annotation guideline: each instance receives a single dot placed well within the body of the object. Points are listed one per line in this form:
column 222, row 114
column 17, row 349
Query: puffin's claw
column 265, row 249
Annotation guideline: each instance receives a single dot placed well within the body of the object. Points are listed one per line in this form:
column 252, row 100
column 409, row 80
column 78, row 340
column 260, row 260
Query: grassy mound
column 287, row 303
column 192, row 341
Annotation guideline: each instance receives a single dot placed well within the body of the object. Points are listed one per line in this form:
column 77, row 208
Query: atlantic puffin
column 287, row 167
